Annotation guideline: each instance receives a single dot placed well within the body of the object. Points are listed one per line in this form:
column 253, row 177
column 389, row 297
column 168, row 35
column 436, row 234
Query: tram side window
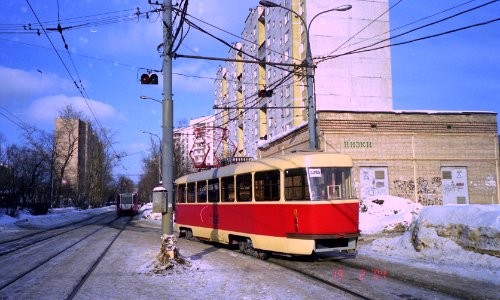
column 227, row 189
column 244, row 188
column 267, row 186
column 201, row 187
column 296, row 187
column 191, row 192
column 181, row 193
column 213, row 190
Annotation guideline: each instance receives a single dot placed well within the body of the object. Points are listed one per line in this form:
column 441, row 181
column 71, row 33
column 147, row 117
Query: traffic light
column 149, row 79
column 153, row 79
column 265, row 93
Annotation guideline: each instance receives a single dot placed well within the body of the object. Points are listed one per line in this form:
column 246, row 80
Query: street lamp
column 149, row 98
column 313, row 145
column 159, row 155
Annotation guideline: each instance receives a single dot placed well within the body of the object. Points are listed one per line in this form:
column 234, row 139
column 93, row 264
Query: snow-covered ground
column 456, row 239
column 55, row 217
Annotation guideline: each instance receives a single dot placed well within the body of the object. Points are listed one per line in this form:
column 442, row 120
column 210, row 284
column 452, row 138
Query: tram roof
column 282, row 162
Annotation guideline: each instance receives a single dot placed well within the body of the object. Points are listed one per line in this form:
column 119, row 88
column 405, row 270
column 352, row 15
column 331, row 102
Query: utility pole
column 167, row 222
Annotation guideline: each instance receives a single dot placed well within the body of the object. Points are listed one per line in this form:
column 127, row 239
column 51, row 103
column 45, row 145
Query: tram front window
column 329, row 183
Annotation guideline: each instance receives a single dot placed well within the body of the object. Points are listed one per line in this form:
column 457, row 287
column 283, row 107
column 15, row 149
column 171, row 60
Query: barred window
column 181, row 193
column 191, row 192
column 201, row 192
column 296, row 187
column 267, row 186
column 213, row 190
column 244, row 187
column 227, row 189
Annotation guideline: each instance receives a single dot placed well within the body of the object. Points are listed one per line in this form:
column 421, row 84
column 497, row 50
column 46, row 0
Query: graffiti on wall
column 404, row 188
column 428, row 191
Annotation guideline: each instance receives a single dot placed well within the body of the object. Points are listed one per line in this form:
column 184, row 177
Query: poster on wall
column 454, row 185
column 373, row 181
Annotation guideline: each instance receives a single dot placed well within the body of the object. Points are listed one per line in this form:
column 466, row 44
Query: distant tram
column 296, row 204
column 127, row 203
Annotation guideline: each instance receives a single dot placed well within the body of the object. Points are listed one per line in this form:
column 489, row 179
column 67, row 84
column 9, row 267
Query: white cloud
column 17, row 84
column 194, row 68
column 46, row 109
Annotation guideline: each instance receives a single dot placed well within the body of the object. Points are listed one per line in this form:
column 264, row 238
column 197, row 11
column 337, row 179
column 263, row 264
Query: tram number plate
column 314, row 172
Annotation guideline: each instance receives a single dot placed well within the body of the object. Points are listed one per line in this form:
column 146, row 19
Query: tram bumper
column 329, row 242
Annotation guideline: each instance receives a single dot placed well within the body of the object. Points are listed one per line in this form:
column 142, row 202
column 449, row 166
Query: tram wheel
column 242, row 246
column 246, row 246
column 189, row 234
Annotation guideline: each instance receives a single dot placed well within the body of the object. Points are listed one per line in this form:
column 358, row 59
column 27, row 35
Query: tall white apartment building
column 355, row 82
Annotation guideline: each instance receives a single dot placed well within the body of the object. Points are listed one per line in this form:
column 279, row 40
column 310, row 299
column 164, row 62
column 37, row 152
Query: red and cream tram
column 293, row 204
column 126, row 203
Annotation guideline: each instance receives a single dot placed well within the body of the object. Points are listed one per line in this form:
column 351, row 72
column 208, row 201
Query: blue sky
column 458, row 71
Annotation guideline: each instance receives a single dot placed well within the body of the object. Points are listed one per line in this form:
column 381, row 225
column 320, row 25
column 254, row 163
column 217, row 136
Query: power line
column 415, row 40
column 74, row 81
column 409, row 31
column 368, row 25
column 237, row 36
column 406, row 25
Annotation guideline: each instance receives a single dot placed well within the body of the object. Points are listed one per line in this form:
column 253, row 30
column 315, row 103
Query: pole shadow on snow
column 198, row 256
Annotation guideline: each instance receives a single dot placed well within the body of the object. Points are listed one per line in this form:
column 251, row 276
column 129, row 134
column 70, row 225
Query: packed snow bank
column 146, row 212
column 387, row 213
column 473, row 227
column 461, row 239
column 55, row 217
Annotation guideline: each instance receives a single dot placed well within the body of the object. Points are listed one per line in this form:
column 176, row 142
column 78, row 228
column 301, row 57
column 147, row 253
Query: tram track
column 6, row 283
column 12, row 245
column 96, row 263
column 288, row 264
column 364, row 281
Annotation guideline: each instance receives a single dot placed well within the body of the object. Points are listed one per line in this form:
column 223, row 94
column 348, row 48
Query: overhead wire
column 406, row 25
column 365, row 27
column 417, row 39
column 359, row 50
column 237, row 36
column 71, row 76
column 74, row 23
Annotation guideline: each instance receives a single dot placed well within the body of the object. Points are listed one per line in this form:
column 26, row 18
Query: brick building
column 430, row 157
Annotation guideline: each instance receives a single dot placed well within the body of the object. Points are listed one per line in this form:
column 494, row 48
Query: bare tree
column 151, row 172
column 66, row 146
column 42, row 143
column 102, row 159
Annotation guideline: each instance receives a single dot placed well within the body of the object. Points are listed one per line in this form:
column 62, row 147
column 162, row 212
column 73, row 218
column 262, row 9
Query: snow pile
column 385, row 213
column 146, row 212
column 473, row 227
column 457, row 239
column 55, row 217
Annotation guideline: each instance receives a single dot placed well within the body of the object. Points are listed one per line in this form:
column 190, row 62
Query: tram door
column 373, row 181
column 454, row 185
